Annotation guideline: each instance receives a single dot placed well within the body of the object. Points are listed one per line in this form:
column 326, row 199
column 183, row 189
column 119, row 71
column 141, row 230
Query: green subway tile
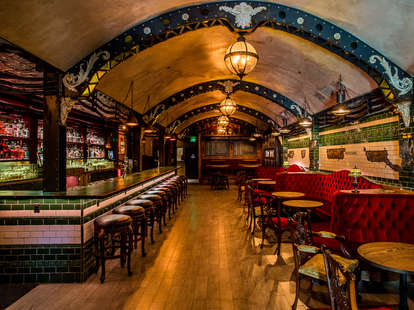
column 55, row 207
column 68, row 207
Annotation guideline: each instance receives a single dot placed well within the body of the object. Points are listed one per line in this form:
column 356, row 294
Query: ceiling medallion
column 243, row 14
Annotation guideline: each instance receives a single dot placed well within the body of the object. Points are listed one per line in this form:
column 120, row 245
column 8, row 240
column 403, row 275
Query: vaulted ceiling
column 62, row 33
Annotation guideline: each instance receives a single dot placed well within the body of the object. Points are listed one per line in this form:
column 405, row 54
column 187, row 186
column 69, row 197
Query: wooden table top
column 267, row 182
column 393, row 256
column 219, row 166
column 250, row 165
column 260, row 179
column 288, row 194
column 306, row 204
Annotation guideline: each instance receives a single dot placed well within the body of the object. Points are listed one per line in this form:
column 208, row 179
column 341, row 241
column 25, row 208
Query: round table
column 250, row 165
column 391, row 256
column 267, row 184
column 218, row 166
column 259, row 179
column 305, row 205
column 288, row 195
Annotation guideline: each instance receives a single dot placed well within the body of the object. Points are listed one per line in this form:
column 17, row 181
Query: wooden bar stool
column 175, row 191
column 112, row 232
column 165, row 201
column 171, row 198
column 158, row 206
column 139, row 223
column 149, row 212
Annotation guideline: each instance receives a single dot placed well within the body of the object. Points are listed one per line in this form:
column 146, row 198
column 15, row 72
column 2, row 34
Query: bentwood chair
column 241, row 184
column 341, row 284
column 309, row 261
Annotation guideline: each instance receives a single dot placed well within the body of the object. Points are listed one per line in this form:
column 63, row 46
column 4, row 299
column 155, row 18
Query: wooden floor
column 205, row 259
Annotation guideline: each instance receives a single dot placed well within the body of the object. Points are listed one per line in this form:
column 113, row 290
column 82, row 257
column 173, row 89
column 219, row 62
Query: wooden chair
column 241, row 184
column 309, row 261
column 341, row 284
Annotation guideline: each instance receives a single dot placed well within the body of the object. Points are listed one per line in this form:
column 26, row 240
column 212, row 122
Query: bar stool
column 165, row 201
column 157, row 202
column 139, row 223
column 107, row 230
column 175, row 191
column 171, row 196
column 149, row 212
column 179, row 188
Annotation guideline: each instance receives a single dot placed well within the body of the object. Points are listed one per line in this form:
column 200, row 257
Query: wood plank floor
column 205, row 259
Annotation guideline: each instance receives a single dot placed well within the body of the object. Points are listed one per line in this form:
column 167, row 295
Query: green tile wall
column 298, row 144
column 382, row 132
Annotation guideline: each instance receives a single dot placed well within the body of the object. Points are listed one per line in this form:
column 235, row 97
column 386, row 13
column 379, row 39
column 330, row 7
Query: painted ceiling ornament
column 404, row 86
column 228, row 86
column 174, row 125
column 404, row 109
column 300, row 20
column 66, row 105
column 71, row 81
column 337, row 36
column 154, row 114
column 185, row 16
column 147, row 30
column 243, row 13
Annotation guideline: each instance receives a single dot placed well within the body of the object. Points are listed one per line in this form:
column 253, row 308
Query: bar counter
column 48, row 237
column 97, row 190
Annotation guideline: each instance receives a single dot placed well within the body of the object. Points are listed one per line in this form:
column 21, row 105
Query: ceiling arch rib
column 201, row 124
column 393, row 80
column 154, row 113
column 214, row 108
column 177, row 129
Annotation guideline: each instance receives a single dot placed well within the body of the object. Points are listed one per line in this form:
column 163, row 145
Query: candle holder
column 355, row 173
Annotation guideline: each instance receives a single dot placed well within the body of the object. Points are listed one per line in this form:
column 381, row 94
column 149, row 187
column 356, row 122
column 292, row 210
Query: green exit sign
column 193, row 139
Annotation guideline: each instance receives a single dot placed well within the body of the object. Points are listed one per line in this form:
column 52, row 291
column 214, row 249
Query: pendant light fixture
column 284, row 129
column 228, row 106
column 306, row 120
column 132, row 120
column 241, row 57
column 275, row 133
column 223, row 121
column 341, row 94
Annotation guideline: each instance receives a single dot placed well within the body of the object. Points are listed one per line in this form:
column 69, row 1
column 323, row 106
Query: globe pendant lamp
column 223, row 121
column 241, row 57
column 228, row 106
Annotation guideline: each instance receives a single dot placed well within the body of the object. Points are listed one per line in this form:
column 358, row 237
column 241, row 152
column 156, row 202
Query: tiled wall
column 357, row 143
column 54, row 245
column 299, row 148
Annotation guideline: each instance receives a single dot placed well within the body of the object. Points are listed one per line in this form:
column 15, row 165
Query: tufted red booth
column 320, row 186
column 268, row 172
column 373, row 217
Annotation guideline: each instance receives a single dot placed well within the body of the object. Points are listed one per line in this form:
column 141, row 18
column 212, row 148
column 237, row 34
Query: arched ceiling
column 249, row 100
column 288, row 64
column 45, row 27
column 242, row 116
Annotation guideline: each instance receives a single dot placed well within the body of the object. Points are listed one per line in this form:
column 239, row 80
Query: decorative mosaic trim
column 298, row 144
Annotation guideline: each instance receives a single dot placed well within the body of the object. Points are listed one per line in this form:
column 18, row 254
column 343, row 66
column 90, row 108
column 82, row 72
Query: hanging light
column 148, row 129
column 221, row 130
column 275, row 133
column 132, row 119
column 284, row 130
column 252, row 139
column 228, row 106
column 306, row 121
column 257, row 134
column 223, row 121
column 341, row 94
column 241, row 57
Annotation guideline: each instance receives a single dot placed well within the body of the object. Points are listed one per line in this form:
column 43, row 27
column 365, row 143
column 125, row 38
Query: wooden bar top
column 95, row 190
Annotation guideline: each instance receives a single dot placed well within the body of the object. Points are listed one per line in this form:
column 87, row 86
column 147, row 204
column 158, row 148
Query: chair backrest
column 341, row 284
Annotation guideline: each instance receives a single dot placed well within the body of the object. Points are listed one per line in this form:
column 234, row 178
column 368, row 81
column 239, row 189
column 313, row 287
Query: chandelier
column 241, row 57
column 223, row 121
column 221, row 130
column 228, row 106
column 341, row 93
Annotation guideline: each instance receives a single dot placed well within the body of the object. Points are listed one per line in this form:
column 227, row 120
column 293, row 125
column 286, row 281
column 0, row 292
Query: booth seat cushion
column 267, row 172
column 374, row 217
